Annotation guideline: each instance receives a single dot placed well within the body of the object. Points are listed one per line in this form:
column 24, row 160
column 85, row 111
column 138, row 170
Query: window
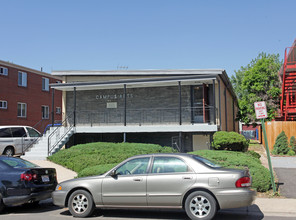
column 18, row 132
column 32, row 132
column 21, row 110
column 45, row 84
column 169, row 165
column 5, row 133
column 45, row 112
column 22, row 79
column 58, row 110
column 134, row 166
column 3, row 104
column 3, row 71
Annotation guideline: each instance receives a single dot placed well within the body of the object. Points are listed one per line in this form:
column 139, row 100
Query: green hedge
column 87, row 156
column 260, row 174
column 97, row 158
column 223, row 140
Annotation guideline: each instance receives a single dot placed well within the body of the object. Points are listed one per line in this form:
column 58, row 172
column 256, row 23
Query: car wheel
column 9, row 151
column 200, row 205
column 81, row 204
column 1, row 204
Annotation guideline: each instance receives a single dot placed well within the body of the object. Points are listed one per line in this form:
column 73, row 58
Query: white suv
column 15, row 139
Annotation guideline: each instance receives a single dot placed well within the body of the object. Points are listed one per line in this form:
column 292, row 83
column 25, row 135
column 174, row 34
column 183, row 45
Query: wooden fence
column 274, row 128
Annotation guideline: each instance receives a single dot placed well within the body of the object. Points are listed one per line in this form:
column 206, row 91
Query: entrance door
column 199, row 104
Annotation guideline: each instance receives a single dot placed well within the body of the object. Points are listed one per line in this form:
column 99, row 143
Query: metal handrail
column 28, row 146
column 149, row 116
column 56, row 133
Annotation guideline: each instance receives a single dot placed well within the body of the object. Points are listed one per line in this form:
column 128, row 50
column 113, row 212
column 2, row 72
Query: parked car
column 159, row 181
column 23, row 182
column 15, row 139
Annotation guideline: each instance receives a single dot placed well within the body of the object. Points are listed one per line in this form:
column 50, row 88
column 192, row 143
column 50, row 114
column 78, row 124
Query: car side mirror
column 113, row 173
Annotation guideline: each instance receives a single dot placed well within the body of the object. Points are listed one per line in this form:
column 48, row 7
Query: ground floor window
column 45, row 112
column 21, row 110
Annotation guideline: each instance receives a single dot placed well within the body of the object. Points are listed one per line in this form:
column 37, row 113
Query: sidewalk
column 62, row 172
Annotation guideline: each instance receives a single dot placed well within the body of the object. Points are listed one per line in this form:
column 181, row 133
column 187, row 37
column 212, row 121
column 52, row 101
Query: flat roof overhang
column 136, row 83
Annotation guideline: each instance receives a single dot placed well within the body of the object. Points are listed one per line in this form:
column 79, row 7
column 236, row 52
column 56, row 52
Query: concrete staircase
column 54, row 139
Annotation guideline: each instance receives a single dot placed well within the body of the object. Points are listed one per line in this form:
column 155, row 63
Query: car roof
column 13, row 126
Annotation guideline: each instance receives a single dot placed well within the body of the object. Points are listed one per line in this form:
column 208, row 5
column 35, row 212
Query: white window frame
column 22, row 79
column 45, row 111
column 23, row 110
column 45, row 84
column 58, row 110
column 3, row 104
column 3, row 71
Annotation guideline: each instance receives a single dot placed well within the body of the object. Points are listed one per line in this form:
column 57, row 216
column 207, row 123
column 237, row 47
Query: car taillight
column 28, row 176
column 243, row 182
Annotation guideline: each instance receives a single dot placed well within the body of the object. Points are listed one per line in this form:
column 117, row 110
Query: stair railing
column 56, row 137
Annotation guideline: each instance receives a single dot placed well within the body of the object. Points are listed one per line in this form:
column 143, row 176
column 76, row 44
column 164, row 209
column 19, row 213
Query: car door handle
column 138, row 179
column 187, row 178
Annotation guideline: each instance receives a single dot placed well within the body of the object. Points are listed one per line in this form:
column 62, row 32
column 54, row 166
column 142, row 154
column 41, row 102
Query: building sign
column 113, row 96
column 111, row 104
column 260, row 109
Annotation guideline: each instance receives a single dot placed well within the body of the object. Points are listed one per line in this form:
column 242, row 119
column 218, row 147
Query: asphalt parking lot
column 285, row 169
column 47, row 211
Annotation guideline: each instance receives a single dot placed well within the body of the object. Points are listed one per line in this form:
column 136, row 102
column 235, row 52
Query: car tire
column 1, row 204
column 81, row 204
column 9, row 151
column 200, row 205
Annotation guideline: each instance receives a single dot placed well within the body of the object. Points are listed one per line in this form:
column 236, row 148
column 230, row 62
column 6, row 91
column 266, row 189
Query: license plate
column 45, row 178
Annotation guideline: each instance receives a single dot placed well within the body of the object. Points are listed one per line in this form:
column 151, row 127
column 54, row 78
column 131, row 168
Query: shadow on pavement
column 250, row 213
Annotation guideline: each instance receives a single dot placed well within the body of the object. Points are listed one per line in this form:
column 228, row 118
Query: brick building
column 26, row 98
column 178, row 108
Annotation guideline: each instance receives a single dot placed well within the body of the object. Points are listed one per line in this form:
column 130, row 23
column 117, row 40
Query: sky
column 143, row 34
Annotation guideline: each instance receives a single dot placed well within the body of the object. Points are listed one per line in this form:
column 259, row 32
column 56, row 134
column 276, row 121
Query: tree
column 258, row 81
column 281, row 144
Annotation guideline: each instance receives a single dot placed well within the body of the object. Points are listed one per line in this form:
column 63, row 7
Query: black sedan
column 23, row 182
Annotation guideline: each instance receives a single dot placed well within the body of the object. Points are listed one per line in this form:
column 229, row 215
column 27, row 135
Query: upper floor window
column 3, row 71
column 3, row 104
column 45, row 112
column 21, row 110
column 22, row 79
column 45, row 84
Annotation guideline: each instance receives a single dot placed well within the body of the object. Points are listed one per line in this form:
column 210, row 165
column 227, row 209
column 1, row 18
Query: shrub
column 96, row 170
column 291, row 153
column 232, row 141
column 84, row 156
column 281, row 144
column 293, row 143
column 260, row 175
column 253, row 154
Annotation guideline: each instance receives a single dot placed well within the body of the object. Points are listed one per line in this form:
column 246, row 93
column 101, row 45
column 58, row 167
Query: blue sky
column 143, row 34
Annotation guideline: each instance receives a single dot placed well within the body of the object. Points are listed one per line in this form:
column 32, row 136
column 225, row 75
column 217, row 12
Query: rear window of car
column 18, row 163
column 206, row 161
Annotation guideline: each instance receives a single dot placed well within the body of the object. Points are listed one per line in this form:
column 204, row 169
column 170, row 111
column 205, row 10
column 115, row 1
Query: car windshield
column 18, row 163
column 206, row 161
